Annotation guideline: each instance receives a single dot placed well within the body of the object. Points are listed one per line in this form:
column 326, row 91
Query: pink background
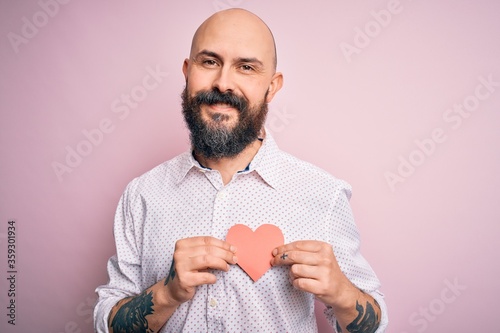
column 361, row 89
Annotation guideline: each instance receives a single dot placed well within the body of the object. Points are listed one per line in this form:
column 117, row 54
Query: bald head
column 236, row 28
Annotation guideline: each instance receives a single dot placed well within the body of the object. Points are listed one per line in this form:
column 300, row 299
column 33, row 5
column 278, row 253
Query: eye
column 247, row 68
column 209, row 63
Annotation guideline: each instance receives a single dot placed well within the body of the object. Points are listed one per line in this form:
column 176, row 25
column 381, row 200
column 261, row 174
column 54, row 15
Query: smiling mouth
column 219, row 107
column 220, row 112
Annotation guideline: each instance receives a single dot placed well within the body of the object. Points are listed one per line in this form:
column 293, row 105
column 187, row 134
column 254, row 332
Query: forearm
column 358, row 312
column 147, row 312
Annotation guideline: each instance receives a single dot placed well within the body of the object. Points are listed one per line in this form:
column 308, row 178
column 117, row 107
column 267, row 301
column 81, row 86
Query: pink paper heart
column 254, row 249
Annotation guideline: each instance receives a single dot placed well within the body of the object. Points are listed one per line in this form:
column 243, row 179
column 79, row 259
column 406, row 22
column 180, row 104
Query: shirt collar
column 265, row 163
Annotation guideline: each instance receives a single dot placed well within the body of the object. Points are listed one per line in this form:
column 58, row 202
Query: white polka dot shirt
column 180, row 199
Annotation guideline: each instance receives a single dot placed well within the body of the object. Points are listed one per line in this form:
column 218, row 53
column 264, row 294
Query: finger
column 200, row 278
column 309, row 272
column 210, row 251
column 307, row 246
column 204, row 241
column 315, row 287
column 208, row 262
column 204, row 246
column 298, row 257
column 195, row 263
column 308, row 285
column 301, row 271
column 284, row 258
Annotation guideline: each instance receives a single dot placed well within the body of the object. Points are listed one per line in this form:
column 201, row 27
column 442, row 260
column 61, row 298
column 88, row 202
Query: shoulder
column 310, row 175
column 163, row 175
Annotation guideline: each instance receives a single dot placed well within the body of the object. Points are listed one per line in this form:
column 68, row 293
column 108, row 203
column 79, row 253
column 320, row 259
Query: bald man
column 174, row 271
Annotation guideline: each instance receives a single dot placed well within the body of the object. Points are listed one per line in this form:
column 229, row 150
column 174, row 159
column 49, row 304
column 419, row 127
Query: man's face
column 230, row 78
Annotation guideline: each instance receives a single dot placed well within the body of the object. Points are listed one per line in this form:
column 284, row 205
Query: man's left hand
column 314, row 269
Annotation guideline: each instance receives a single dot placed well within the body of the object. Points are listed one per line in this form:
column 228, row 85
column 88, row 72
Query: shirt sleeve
column 123, row 268
column 346, row 243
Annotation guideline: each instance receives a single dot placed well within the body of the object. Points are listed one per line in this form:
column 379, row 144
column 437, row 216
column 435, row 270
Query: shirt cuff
column 102, row 311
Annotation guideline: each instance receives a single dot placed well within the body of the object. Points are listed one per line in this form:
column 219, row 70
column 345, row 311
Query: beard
column 213, row 139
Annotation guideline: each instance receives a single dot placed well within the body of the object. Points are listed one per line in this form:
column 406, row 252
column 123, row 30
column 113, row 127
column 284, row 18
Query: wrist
column 345, row 299
column 165, row 297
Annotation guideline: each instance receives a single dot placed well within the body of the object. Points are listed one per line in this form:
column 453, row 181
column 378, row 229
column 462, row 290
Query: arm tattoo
column 131, row 316
column 171, row 274
column 366, row 321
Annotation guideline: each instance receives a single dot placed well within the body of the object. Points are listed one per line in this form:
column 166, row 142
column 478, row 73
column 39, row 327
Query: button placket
column 216, row 291
column 220, row 214
column 214, row 303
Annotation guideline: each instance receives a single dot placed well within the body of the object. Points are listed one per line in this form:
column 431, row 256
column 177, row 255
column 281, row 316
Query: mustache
column 214, row 96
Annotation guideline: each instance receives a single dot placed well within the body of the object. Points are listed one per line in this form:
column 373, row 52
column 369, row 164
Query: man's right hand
column 193, row 257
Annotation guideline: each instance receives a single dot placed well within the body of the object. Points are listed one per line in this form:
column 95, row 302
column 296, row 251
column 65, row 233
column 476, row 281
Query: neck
column 229, row 166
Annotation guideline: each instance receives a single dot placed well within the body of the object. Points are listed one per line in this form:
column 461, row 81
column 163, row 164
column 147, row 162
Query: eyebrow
column 252, row 60
column 208, row 53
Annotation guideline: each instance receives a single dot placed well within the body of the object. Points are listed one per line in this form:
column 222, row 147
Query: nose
column 224, row 80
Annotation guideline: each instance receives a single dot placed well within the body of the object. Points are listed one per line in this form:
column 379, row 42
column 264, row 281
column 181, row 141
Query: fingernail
column 235, row 259
column 275, row 252
column 232, row 248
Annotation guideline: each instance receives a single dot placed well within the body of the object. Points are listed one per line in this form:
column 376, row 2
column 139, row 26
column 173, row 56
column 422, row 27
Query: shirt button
column 222, row 195
column 213, row 302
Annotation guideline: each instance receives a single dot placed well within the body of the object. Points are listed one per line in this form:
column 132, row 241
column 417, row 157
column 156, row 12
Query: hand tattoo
column 171, row 274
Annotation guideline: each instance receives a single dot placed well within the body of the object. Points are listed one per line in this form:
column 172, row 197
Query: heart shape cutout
column 254, row 249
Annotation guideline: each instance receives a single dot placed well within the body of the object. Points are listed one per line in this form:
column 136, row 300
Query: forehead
column 235, row 36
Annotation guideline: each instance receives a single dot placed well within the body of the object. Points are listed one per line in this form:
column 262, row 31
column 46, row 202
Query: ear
column 275, row 86
column 185, row 66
